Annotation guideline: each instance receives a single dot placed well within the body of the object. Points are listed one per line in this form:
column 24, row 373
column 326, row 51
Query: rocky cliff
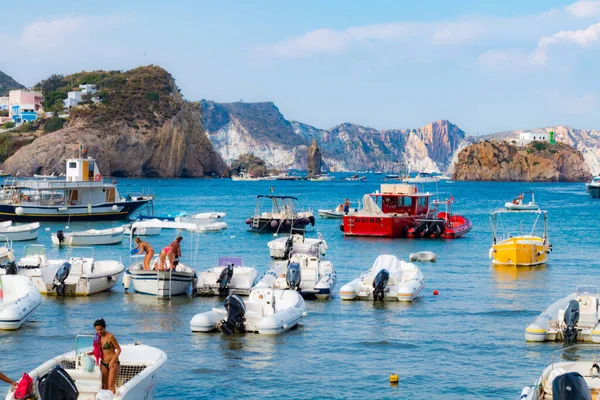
column 7, row 84
column 260, row 129
column 313, row 167
column 254, row 166
column 142, row 127
column 538, row 162
column 585, row 140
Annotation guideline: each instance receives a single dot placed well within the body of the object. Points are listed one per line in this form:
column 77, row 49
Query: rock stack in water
column 314, row 160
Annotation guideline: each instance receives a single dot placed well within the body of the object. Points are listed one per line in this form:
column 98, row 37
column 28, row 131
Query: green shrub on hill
column 6, row 146
column 54, row 124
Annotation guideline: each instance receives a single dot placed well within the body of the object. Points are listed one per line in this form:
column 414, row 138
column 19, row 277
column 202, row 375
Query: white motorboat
column 18, row 300
column 77, row 276
column 423, row 256
column 593, row 187
column 266, row 311
column 155, row 282
column 388, row 279
column 137, row 379
column 17, row 233
column 572, row 373
column 303, row 272
column 142, row 230
column 517, row 204
column 229, row 276
column 422, row 177
column 201, row 218
column 51, row 176
column 82, row 194
column 89, row 237
column 572, row 318
column 281, row 248
column 322, row 178
column 338, row 212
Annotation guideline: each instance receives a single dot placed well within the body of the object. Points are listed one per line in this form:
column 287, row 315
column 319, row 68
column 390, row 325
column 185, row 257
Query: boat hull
column 520, row 251
column 18, row 234
column 160, row 283
column 269, row 225
column 74, row 239
column 20, row 305
column 85, row 286
column 594, row 191
column 99, row 212
column 378, row 226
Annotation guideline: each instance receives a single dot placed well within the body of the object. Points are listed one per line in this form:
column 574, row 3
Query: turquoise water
column 467, row 342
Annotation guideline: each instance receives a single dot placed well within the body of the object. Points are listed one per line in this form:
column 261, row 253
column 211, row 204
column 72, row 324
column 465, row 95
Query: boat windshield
column 225, row 261
column 587, row 290
column 34, row 250
column 83, row 343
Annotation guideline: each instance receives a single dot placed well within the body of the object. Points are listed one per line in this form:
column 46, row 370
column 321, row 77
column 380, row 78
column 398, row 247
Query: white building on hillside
column 527, row 137
column 88, row 89
column 4, row 103
column 73, row 98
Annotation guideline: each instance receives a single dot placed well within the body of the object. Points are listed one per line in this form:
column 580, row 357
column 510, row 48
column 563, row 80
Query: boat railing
column 77, row 249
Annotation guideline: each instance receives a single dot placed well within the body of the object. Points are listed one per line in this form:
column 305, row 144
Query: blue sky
column 486, row 66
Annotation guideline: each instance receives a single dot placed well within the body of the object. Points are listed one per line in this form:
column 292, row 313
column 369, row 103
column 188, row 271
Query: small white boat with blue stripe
column 18, row 300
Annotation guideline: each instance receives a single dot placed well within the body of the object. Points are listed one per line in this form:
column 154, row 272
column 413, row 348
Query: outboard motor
column 570, row 386
column 236, row 309
column 379, row 284
column 224, row 279
column 11, row 268
column 571, row 319
column 60, row 235
column 57, row 384
column 292, row 277
column 59, row 279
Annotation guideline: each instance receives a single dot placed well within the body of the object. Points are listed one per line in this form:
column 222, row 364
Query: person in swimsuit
column 145, row 247
column 176, row 251
column 7, row 380
column 109, row 361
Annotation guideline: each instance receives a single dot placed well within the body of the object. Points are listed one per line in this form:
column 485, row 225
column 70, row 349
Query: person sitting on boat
column 340, row 208
column 518, row 200
column 106, row 351
column 175, row 245
column 7, row 380
column 146, row 248
column 346, row 206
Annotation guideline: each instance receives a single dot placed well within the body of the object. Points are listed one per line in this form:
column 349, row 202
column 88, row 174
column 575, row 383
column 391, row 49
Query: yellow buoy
column 393, row 378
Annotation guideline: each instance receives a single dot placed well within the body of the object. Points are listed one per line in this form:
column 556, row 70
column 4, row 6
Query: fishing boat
column 593, row 187
column 282, row 216
column 81, row 195
column 389, row 213
column 281, row 248
column 76, row 276
column 17, row 233
column 243, row 176
column 322, row 178
column 517, row 204
column 18, row 300
column 520, row 248
column 51, row 176
column 441, row 224
column 229, row 276
column 89, row 237
column 573, row 318
column 266, row 311
column 572, row 373
column 137, row 378
column 388, row 279
column 304, row 272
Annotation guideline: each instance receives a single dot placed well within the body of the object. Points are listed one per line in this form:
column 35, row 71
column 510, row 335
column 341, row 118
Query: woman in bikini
column 145, row 247
column 109, row 349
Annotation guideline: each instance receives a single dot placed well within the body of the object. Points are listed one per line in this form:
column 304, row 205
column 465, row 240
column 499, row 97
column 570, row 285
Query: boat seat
column 308, row 274
column 88, row 383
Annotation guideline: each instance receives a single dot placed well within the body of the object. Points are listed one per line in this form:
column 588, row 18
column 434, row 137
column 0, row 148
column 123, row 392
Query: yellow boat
column 519, row 249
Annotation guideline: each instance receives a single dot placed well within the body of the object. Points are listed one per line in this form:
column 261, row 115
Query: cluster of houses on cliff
column 25, row 105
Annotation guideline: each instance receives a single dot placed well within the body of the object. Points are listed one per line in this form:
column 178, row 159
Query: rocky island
column 536, row 162
column 138, row 125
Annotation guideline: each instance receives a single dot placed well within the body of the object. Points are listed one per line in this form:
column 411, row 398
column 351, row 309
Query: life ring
column 585, row 302
column 98, row 177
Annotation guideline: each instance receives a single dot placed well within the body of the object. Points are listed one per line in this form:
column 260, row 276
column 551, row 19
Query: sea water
column 467, row 342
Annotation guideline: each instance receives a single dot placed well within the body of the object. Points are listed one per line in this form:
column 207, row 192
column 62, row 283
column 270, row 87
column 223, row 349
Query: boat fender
column 115, row 207
column 274, row 224
column 304, row 314
column 342, row 227
column 126, row 280
column 285, row 326
column 19, row 211
column 248, row 221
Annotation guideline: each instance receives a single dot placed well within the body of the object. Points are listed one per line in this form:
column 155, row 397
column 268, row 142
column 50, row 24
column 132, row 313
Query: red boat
column 390, row 213
column 443, row 224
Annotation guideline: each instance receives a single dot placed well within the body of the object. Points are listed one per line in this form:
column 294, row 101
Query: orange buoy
column 435, row 292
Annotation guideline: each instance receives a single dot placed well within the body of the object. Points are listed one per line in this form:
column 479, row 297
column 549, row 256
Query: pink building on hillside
column 23, row 105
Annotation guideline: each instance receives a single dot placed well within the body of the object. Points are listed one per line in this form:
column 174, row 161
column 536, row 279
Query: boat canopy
column 276, row 197
column 370, row 206
column 225, row 261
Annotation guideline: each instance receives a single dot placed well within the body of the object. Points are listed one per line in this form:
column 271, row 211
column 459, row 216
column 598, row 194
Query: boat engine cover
column 380, row 283
column 293, row 277
column 571, row 319
column 12, row 269
column 236, row 309
column 570, row 386
column 224, row 280
column 57, row 385
column 59, row 279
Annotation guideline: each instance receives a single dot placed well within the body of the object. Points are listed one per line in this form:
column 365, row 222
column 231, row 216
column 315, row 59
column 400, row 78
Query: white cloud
column 584, row 8
column 581, row 37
